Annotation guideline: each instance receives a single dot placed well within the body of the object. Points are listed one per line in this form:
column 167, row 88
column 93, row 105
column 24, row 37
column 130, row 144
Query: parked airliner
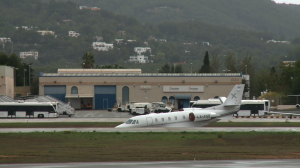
column 189, row 118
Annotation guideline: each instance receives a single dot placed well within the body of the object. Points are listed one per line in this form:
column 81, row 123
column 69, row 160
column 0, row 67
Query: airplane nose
column 119, row 126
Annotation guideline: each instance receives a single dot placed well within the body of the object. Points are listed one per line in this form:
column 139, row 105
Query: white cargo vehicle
column 126, row 106
column 27, row 110
column 159, row 107
column 141, row 108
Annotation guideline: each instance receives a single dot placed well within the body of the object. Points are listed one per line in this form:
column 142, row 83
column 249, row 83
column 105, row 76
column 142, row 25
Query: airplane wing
column 281, row 113
column 189, row 124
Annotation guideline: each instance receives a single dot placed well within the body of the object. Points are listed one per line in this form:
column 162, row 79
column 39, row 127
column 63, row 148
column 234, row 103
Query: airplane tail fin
column 235, row 96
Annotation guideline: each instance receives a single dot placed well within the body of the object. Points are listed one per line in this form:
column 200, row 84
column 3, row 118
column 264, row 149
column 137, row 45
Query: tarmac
column 278, row 163
column 155, row 129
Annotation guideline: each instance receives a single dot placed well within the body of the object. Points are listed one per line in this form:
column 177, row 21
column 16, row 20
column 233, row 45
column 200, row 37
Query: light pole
column 246, row 69
column 174, row 68
column 192, row 67
column 226, row 70
column 24, row 76
column 157, row 71
column 29, row 76
column 16, row 76
column 12, row 47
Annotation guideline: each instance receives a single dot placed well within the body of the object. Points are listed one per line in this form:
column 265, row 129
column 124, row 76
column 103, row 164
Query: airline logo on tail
column 233, row 96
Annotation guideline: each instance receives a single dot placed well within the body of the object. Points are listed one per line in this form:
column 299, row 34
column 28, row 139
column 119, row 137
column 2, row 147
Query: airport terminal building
column 102, row 88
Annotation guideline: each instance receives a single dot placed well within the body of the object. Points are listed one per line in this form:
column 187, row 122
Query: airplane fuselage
column 166, row 119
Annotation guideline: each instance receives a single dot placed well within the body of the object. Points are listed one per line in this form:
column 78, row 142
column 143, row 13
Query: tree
column 296, row 79
column 205, row 67
column 88, row 60
column 160, row 58
column 230, row 63
column 178, row 69
column 165, row 68
column 34, row 87
column 215, row 64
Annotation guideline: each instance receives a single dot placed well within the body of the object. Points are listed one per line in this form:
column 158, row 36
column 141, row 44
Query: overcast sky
column 288, row 1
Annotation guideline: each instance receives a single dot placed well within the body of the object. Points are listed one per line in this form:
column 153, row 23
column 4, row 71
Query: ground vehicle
column 248, row 107
column 27, row 110
column 125, row 106
column 141, row 108
column 160, row 107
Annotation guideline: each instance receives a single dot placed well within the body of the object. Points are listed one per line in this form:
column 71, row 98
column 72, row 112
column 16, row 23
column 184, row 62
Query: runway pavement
column 155, row 129
column 290, row 163
column 108, row 116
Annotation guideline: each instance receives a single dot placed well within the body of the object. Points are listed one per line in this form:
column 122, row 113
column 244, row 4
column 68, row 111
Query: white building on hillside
column 102, row 46
column 44, row 32
column 140, row 50
column 139, row 59
column 33, row 54
column 5, row 39
column 73, row 34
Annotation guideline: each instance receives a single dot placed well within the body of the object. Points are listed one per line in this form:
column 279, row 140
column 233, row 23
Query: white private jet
column 189, row 118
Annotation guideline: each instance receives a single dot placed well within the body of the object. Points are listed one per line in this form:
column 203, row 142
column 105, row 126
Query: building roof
column 96, row 71
column 74, row 74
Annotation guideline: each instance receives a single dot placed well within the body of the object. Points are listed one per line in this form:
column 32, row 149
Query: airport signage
column 183, row 89
column 143, row 87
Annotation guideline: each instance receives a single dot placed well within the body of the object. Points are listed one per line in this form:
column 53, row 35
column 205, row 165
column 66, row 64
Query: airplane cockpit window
column 137, row 121
column 156, row 120
column 169, row 118
column 162, row 119
column 129, row 121
column 133, row 122
column 183, row 117
column 175, row 117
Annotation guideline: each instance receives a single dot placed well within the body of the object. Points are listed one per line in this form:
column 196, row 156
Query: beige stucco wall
column 213, row 86
column 7, row 81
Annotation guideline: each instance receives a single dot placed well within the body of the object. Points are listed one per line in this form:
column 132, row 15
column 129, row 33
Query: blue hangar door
column 105, row 97
column 56, row 91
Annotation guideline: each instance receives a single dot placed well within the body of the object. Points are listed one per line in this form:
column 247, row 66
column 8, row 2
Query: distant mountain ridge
column 258, row 15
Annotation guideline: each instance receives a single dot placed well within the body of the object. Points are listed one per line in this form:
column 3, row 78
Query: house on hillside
column 26, row 54
column 119, row 41
column 122, row 33
column 44, row 32
column 98, row 39
column 139, row 59
column 89, row 8
column 140, row 50
column 5, row 39
column 274, row 41
column 73, row 34
column 102, row 46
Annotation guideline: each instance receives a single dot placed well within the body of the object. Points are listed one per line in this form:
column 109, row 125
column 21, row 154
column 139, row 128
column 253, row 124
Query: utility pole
column 24, row 76
column 174, row 68
column 29, row 76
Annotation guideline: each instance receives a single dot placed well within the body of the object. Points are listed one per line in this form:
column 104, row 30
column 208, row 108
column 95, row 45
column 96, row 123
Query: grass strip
column 147, row 146
column 254, row 124
column 59, row 124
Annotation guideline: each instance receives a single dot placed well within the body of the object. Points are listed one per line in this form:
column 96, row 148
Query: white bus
column 248, row 107
column 27, row 110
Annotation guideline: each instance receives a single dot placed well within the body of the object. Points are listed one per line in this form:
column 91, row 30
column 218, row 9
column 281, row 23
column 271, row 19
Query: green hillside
column 184, row 39
column 258, row 15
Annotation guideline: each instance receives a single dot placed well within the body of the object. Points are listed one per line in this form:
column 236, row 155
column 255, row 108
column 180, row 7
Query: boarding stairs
column 62, row 107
